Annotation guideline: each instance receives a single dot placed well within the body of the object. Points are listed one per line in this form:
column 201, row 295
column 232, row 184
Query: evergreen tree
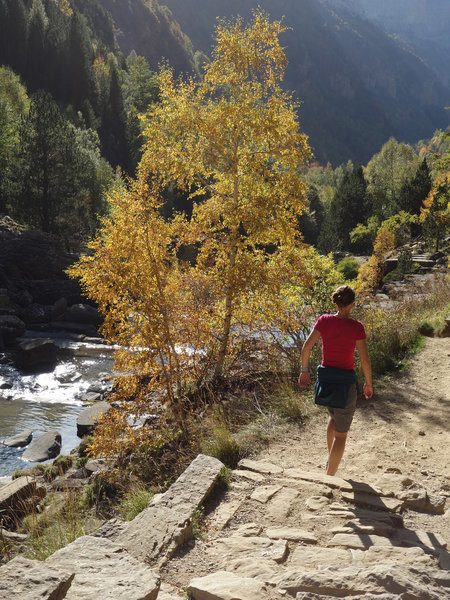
column 349, row 207
column 113, row 131
column 80, row 77
column 310, row 222
column 414, row 191
column 35, row 72
column 15, row 35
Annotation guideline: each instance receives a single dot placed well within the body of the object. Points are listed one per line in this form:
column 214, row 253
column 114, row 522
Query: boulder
column 169, row 519
column 19, row 440
column 5, row 384
column 86, row 420
column 104, row 570
column 46, row 446
column 36, row 313
column 11, row 327
column 14, row 498
column 83, row 314
column 35, row 353
column 25, row 579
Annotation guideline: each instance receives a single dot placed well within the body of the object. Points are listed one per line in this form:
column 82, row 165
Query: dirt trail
column 400, row 438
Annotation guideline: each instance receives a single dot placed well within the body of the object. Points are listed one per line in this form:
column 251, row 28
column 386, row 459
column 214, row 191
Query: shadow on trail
column 375, row 521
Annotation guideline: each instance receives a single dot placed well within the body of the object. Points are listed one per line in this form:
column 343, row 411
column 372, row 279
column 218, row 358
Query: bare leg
column 336, row 452
column 330, row 433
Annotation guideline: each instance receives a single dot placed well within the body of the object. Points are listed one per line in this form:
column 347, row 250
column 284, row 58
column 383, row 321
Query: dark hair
column 343, row 296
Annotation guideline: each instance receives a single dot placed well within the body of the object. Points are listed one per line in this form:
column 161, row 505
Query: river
column 50, row 400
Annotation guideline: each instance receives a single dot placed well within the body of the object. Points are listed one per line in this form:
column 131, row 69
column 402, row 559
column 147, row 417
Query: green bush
column 349, row 268
column 223, row 446
column 134, row 502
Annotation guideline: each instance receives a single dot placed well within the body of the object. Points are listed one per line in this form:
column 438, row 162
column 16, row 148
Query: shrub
column 83, row 448
column 223, row 446
column 134, row 502
column 349, row 268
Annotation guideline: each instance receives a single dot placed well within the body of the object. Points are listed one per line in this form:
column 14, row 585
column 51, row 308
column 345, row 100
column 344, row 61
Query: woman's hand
column 304, row 379
column 367, row 391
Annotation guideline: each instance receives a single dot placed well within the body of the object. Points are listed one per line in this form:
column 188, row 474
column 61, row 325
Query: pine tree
column 414, row 191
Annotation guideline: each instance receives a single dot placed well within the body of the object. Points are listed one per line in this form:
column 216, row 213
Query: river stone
column 406, row 582
column 35, row 353
column 156, row 533
column 46, row 446
column 25, row 579
column 104, row 570
column 224, row 585
column 82, row 313
column 291, row 534
column 264, row 493
column 328, row 480
column 86, row 420
column 19, row 440
column 260, row 466
column 91, row 398
column 11, row 327
column 13, row 499
column 5, row 384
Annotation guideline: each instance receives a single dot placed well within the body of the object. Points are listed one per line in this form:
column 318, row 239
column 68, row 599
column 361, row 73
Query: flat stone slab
column 251, row 475
column 46, row 446
column 264, row 493
column 328, row 480
column 260, row 466
column 87, row 419
column 365, row 515
column 375, row 528
column 248, row 530
column 354, row 581
column 309, row 558
column 291, row 534
column 311, row 596
column 358, row 542
column 19, row 440
column 104, row 570
column 394, row 556
column 156, row 533
column 281, row 505
column 224, row 513
column 315, row 503
column 235, row 546
column 427, row 539
column 379, row 502
column 224, row 585
column 25, row 579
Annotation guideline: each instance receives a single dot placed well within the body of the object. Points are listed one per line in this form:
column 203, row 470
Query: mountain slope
column 358, row 85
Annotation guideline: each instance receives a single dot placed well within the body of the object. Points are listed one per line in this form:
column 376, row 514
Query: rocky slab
column 251, row 475
column 250, row 546
column 358, row 541
column 328, row 480
column 104, row 570
column 308, row 558
column 291, row 534
column 376, row 555
column 405, row 582
column 379, row 502
column 264, row 493
column 156, row 533
column 46, row 446
column 19, row 440
column 224, row 585
column 265, row 468
column 87, row 419
column 13, row 498
column 24, row 579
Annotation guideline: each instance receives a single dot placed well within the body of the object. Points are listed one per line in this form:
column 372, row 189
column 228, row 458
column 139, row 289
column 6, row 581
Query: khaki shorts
column 343, row 417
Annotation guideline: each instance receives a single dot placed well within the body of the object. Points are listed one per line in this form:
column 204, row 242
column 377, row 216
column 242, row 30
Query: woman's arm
column 361, row 347
column 305, row 378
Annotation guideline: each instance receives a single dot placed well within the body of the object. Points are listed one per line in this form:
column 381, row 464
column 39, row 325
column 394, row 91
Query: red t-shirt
column 339, row 337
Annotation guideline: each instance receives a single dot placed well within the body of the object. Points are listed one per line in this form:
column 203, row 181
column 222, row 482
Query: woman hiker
column 337, row 384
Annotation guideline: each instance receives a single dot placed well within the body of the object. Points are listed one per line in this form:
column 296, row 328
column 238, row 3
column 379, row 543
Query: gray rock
column 82, row 313
column 35, row 353
column 251, row 547
column 11, row 327
column 332, row 482
column 292, row 534
column 5, row 384
column 435, row 505
column 264, row 493
column 169, row 519
column 24, row 579
column 405, row 582
column 13, row 499
column 19, row 440
column 104, row 570
column 12, row 535
column 260, row 466
column 224, row 585
column 46, row 446
column 86, row 420
column 90, row 397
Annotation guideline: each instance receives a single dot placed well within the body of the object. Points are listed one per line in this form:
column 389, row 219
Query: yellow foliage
column 370, row 273
column 233, row 142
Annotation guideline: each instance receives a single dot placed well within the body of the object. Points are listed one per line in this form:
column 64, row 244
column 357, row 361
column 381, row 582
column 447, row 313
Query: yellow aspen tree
column 233, row 141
